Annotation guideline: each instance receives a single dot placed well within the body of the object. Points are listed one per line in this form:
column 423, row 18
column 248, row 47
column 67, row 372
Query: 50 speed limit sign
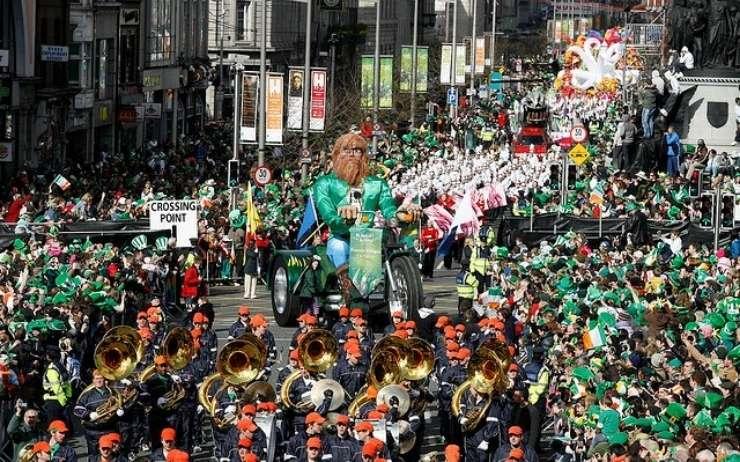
column 578, row 134
column 262, row 175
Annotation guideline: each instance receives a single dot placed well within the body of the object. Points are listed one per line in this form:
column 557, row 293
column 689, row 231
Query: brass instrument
column 360, row 400
column 238, row 364
column 388, row 392
column 317, row 350
column 487, row 376
column 116, row 357
column 26, row 453
column 177, row 348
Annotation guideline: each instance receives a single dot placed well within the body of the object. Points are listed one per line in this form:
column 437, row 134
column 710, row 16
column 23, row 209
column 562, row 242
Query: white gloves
column 119, row 412
column 161, row 402
column 199, row 409
column 306, row 396
column 93, row 416
column 230, row 409
column 483, row 446
column 125, row 382
column 176, row 378
column 463, row 420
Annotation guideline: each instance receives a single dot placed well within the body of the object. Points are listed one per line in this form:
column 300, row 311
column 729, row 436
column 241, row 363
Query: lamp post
column 473, row 48
column 333, row 41
column 263, row 87
column 493, row 35
column 376, row 77
column 413, row 63
column 306, row 86
column 453, row 78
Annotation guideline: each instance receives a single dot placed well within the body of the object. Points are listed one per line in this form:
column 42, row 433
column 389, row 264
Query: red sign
column 127, row 115
column 318, row 100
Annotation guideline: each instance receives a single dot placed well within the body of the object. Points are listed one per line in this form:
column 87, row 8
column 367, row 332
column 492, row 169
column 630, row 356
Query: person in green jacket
column 24, row 428
column 348, row 190
column 310, row 287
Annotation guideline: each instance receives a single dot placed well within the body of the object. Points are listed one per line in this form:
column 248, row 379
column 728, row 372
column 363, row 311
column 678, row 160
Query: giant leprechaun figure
column 344, row 196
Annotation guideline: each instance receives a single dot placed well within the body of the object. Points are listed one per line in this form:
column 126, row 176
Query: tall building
column 78, row 77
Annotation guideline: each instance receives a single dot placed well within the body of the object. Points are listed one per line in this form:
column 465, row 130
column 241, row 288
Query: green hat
column 565, row 284
column 583, row 373
column 161, row 243
column 716, row 320
column 139, row 242
column 691, row 326
column 502, row 252
column 675, row 411
column 617, row 438
column 703, row 419
column 728, row 331
column 53, row 230
column 675, row 363
column 677, row 262
column 734, row 354
column 708, row 399
column 19, row 245
column 609, row 420
column 237, row 219
column 60, row 298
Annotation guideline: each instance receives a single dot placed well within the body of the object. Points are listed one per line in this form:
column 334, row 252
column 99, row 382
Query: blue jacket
column 673, row 145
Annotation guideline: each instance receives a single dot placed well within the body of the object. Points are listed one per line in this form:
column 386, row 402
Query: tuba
column 317, row 350
column 116, row 357
column 238, row 364
column 487, row 376
column 177, row 348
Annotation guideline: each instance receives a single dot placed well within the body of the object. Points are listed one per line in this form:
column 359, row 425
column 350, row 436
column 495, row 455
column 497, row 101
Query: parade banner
column 460, row 56
column 558, row 31
column 480, row 55
column 422, row 68
column 366, row 85
column 274, row 109
column 365, row 259
column 385, row 100
column 445, row 71
column 295, row 99
column 317, row 121
column 407, row 58
column 250, row 93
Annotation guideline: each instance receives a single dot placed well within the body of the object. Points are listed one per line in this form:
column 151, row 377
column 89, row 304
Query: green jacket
column 21, row 434
column 329, row 192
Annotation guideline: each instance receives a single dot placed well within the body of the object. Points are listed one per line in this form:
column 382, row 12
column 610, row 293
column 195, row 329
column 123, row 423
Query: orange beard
column 351, row 169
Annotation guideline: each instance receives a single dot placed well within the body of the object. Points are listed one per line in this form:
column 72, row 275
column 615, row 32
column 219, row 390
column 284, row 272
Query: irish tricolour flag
column 62, row 182
column 594, row 338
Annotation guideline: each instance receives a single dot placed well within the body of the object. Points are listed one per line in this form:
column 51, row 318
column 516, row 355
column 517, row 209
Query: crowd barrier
column 551, row 225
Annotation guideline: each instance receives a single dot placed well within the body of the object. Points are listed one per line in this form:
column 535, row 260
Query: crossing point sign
column 579, row 154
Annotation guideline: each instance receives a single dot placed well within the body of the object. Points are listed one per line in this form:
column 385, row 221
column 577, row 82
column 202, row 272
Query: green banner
column 422, row 69
column 385, row 100
column 404, row 81
column 366, row 86
column 365, row 258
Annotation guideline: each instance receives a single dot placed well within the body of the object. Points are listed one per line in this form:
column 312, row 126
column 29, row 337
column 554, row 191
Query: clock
column 331, row 4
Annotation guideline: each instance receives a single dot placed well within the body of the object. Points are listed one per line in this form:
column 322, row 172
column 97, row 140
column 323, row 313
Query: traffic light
column 233, row 174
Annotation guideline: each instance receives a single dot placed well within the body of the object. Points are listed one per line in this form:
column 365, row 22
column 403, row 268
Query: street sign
column 579, row 154
column 262, row 175
column 452, row 96
column 305, row 156
column 578, row 134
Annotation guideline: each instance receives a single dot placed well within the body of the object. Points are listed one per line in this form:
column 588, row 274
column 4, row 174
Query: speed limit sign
column 578, row 134
column 262, row 175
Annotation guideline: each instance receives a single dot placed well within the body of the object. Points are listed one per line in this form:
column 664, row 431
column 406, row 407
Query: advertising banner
column 422, row 68
column 249, row 94
column 295, row 99
column 365, row 262
column 317, row 121
column 480, row 55
column 404, row 80
column 460, row 64
column 385, row 101
column 445, row 71
column 366, row 85
column 274, row 109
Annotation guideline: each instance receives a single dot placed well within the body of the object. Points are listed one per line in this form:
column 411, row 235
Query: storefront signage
column 54, row 53
column 152, row 80
column 4, row 58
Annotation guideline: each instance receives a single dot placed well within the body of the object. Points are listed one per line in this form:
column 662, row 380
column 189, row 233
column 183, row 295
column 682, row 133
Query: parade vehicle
column 532, row 138
column 398, row 288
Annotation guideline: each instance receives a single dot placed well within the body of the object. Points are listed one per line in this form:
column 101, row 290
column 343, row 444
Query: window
column 129, row 55
column 104, row 68
column 245, row 21
column 160, row 37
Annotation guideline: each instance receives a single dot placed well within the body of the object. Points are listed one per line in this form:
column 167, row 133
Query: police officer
column 467, row 287
column 94, row 425
column 480, row 266
column 241, row 325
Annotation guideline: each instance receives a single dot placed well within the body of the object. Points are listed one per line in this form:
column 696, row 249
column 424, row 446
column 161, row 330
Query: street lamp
column 413, row 63
column 333, row 42
column 376, row 78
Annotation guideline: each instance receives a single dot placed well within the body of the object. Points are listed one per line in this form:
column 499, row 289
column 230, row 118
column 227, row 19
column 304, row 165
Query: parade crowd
column 623, row 349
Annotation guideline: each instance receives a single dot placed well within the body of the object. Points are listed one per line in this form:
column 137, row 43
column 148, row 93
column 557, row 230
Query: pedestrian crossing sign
column 579, row 154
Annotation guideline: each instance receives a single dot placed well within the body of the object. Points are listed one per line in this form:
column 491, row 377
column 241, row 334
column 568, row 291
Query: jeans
column 672, row 165
column 337, row 249
column 647, row 122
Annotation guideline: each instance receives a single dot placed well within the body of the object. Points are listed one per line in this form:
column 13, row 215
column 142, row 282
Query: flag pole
column 313, row 233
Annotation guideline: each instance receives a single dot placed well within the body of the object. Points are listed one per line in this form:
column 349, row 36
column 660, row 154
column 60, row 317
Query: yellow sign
column 579, row 154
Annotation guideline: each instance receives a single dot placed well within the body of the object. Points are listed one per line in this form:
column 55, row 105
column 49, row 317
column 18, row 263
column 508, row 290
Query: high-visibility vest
column 466, row 284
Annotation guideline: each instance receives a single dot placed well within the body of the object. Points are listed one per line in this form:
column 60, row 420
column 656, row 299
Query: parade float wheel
column 406, row 274
column 286, row 305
